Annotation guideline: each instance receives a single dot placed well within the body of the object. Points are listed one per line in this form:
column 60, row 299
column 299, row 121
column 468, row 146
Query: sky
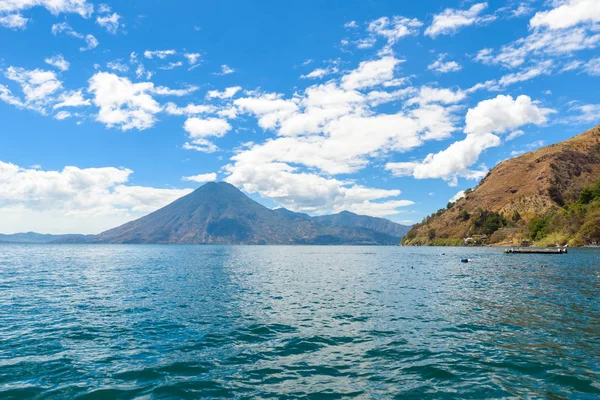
column 111, row 110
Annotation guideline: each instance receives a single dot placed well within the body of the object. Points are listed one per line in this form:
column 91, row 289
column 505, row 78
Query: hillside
column 347, row 218
column 219, row 213
column 32, row 237
column 535, row 197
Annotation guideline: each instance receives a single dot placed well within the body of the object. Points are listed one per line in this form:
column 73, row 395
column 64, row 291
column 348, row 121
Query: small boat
column 534, row 250
column 466, row 260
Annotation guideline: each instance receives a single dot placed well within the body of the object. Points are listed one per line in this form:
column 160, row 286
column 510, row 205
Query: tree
column 431, row 234
column 538, row 228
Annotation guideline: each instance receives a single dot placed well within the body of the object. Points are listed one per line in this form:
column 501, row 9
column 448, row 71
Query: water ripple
column 145, row 322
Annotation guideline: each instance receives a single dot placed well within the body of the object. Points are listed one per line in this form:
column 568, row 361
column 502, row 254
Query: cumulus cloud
column 193, row 58
column 504, row 113
column 123, row 104
column 457, row 196
column 37, row 85
column 111, row 22
column 71, row 99
column 442, row 67
column 568, row 14
column 201, row 129
column 395, row 28
column 225, row 70
column 86, row 200
column 59, row 62
column 201, row 178
column 320, row 73
column 62, row 115
column 225, row 94
column 371, row 73
column 449, row 21
column 542, row 43
column 483, row 123
column 81, row 7
column 308, row 192
column 13, row 21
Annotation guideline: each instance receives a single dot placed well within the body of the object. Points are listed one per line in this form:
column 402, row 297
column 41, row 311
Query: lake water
column 141, row 321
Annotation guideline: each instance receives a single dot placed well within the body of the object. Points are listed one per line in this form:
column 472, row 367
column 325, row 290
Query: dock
column 533, row 250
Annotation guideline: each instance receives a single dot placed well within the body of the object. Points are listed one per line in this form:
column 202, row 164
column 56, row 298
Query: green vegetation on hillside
column 576, row 222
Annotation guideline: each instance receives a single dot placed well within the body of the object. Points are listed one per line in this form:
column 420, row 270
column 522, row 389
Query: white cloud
column 200, row 129
column 592, row 67
column 81, row 7
column 190, row 109
column 62, row 115
column 491, row 116
column 320, row 73
column 371, row 73
column 225, row 94
column 74, row 200
column 165, row 91
column 307, row 192
column 569, row 13
column 588, row 113
column 71, row 99
column 351, row 25
column 503, row 113
column 428, row 95
column 122, row 103
column 63, row 27
column 542, row 44
column 161, row 54
column 111, row 23
column 449, row 21
column 394, row 29
column 225, row 70
column 443, row 67
column 13, row 21
column 457, row 196
column 171, row 65
column 118, row 66
column 515, row 134
column 59, row 62
column 37, row 85
column 193, row 58
column 201, row 178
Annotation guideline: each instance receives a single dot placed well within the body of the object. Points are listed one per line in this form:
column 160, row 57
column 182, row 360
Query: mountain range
column 219, row 213
column 546, row 197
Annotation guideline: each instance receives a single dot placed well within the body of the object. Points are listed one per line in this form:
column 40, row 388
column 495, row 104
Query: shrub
column 516, row 216
column 431, row 234
column 590, row 231
column 465, row 215
column 538, row 228
column 487, row 222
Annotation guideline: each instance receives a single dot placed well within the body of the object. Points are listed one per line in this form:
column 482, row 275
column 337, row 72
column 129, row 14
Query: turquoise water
column 149, row 322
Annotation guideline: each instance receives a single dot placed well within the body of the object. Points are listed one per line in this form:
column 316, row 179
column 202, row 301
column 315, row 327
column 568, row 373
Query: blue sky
column 111, row 110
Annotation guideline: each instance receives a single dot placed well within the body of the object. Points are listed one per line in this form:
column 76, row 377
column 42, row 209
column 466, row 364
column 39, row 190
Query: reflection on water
column 194, row 321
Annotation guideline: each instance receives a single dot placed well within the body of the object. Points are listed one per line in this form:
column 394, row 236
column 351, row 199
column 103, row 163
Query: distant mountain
column 548, row 196
column 32, row 237
column 347, row 218
column 219, row 213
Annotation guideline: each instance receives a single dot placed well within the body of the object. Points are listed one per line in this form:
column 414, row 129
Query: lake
column 157, row 321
